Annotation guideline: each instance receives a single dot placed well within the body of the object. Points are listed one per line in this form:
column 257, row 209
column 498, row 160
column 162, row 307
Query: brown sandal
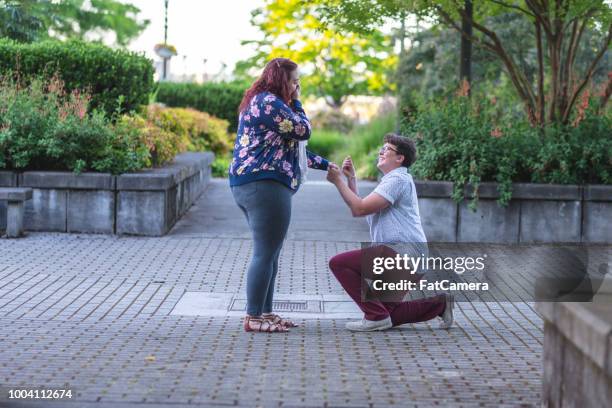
column 265, row 325
column 274, row 318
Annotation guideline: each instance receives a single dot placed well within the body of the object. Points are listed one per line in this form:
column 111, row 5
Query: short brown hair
column 405, row 147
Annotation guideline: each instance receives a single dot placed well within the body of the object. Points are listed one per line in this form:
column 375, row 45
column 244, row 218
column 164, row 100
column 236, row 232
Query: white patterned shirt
column 400, row 222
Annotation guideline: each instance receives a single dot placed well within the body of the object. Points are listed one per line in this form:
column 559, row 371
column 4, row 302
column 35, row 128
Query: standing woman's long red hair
column 275, row 78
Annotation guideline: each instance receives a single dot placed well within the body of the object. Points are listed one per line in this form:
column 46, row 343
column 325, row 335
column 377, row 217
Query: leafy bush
column 575, row 154
column 220, row 99
column 220, row 165
column 42, row 127
column 169, row 131
column 117, row 80
column 162, row 144
column 464, row 140
column 197, row 131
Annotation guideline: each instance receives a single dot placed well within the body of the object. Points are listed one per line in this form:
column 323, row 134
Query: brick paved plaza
column 102, row 316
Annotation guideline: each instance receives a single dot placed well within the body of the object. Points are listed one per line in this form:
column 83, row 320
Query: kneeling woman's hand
column 348, row 168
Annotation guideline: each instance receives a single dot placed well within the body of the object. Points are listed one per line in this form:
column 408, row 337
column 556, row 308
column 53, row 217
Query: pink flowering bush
column 468, row 140
column 45, row 127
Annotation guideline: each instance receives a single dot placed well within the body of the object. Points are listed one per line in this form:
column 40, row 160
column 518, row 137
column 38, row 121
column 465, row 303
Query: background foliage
column 118, row 81
column 45, row 127
column 36, row 20
column 192, row 130
column 560, row 34
column 333, row 64
column 470, row 141
column 220, row 99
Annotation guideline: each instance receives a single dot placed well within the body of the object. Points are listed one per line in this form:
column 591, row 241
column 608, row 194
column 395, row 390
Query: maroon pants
column 347, row 269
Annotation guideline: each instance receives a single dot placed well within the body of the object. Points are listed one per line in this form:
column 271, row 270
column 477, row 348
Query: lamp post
column 165, row 51
column 164, row 74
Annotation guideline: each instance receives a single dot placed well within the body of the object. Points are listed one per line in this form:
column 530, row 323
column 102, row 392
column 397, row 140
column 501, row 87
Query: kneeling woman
column 393, row 215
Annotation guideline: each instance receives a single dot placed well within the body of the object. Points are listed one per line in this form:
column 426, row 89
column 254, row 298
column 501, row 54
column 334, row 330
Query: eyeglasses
column 384, row 149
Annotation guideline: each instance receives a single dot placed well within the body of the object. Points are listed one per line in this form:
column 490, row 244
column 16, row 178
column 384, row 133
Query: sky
column 199, row 29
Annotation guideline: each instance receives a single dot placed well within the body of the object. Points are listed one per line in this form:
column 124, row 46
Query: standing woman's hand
column 333, row 174
column 296, row 92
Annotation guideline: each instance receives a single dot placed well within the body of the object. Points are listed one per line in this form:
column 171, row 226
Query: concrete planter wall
column 577, row 354
column 7, row 179
column 148, row 202
column 536, row 213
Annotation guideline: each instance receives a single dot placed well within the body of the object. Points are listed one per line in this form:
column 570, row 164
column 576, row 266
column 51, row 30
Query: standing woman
column 270, row 161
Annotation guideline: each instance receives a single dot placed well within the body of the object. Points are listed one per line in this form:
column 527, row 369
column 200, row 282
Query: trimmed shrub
column 220, row 99
column 117, row 80
column 162, row 144
column 43, row 127
column 169, row 131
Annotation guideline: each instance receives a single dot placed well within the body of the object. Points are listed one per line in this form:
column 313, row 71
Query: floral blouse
column 267, row 142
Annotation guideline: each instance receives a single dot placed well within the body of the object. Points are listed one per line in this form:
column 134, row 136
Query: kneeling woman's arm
column 360, row 207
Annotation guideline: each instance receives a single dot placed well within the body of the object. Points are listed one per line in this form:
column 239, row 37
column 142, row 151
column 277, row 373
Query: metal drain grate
column 306, row 306
column 282, row 306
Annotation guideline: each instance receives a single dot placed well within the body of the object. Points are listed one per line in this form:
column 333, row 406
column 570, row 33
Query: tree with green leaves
column 334, row 65
column 429, row 66
column 558, row 31
column 34, row 20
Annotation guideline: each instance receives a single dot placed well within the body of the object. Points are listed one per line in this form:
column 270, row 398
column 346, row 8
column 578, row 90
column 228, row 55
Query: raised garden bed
column 536, row 213
column 150, row 202
column 147, row 202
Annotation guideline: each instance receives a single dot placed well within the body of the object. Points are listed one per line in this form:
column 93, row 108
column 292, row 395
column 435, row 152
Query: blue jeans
column 266, row 205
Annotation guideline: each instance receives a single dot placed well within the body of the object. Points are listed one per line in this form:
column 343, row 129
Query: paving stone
column 95, row 313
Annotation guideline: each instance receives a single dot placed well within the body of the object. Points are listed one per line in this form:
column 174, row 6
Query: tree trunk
column 551, row 21
column 465, row 71
column 541, row 112
column 402, row 52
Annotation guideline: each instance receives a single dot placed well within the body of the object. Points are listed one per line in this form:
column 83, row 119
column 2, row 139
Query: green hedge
column 220, row 99
column 110, row 76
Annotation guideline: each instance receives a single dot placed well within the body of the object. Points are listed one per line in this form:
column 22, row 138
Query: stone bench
column 15, row 198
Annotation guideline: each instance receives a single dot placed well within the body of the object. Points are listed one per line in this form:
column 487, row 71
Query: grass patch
column 363, row 143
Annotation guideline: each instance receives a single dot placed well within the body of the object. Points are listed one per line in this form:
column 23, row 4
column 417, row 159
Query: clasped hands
column 334, row 175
